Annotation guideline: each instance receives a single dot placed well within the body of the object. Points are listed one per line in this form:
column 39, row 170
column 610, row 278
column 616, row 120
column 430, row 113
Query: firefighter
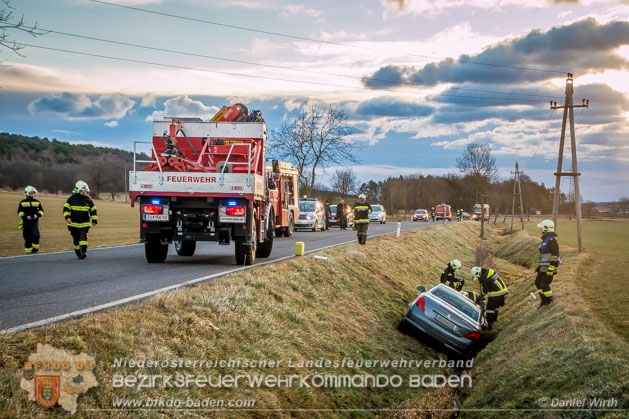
column 432, row 213
column 80, row 214
column 548, row 261
column 449, row 278
column 361, row 211
column 30, row 211
column 340, row 214
column 458, row 214
column 494, row 287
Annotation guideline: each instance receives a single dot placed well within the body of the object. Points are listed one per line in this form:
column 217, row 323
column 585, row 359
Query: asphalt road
column 42, row 288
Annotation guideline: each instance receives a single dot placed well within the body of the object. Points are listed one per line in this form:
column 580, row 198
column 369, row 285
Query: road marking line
column 145, row 295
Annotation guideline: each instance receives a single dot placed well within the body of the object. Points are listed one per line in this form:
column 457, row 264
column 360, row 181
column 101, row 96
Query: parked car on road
column 311, row 215
column 465, row 215
column 378, row 214
column 445, row 315
column 421, row 215
column 336, row 221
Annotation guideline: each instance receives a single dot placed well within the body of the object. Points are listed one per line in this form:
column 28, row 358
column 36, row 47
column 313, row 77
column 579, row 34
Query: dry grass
column 301, row 309
column 118, row 224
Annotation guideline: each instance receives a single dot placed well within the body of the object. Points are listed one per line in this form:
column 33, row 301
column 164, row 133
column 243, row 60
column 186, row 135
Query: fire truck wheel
column 291, row 226
column 246, row 251
column 264, row 249
column 155, row 251
column 185, row 248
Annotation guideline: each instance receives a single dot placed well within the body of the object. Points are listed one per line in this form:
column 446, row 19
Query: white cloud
column 433, row 8
column 260, row 47
column 111, row 124
column 296, row 9
column 183, row 106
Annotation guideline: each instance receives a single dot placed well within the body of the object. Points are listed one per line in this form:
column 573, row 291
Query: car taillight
column 235, row 211
column 152, row 209
column 472, row 336
column 421, row 303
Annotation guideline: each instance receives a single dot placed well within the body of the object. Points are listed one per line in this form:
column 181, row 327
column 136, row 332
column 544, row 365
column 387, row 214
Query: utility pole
column 483, row 198
column 516, row 181
column 568, row 108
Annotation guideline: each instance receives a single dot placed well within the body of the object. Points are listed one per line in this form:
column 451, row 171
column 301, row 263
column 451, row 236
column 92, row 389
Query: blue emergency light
column 155, row 201
column 232, row 203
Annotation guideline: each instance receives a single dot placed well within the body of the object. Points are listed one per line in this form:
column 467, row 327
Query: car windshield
column 420, row 212
column 457, row 301
column 332, row 209
column 376, row 208
column 307, row 206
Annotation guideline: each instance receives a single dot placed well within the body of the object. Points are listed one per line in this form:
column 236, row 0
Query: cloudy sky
column 419, row 79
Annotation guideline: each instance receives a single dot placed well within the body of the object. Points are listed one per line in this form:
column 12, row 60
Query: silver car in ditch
column 448, row 317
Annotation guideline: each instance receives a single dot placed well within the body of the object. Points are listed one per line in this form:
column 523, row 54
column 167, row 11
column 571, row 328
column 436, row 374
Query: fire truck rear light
column 235, row 211
column 152, row 209
column 143, row 225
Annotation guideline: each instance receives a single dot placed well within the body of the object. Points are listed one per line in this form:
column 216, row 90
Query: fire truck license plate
column 155, row 217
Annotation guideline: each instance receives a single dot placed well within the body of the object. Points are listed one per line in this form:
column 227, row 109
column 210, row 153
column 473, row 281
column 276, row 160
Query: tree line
column 54, row 166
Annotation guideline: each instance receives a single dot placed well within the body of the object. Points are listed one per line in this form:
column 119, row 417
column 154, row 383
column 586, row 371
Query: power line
column 192, row 54
column 549, row 121
column 251, row 75
column 321, row 41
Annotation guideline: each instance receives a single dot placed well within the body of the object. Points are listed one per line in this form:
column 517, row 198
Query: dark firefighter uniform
column 494, row 287
column 474, row 296
column 30, row 228
column 547, row 267
column 361, row 220
column 449, row 278
column 458, row 215
column 81, row 210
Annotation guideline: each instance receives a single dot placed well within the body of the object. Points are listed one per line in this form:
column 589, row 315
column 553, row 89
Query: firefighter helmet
column 362, row 196
column 29, row 189
column 547, row 226
column 81, row 186
column 475, row 271
column 455, row 264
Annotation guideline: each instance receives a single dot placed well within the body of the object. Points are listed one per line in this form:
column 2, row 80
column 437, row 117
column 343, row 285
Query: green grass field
column 118, row 224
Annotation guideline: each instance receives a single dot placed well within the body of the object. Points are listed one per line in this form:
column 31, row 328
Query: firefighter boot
column 544, row 301
column 83, row 252
column 78, row 253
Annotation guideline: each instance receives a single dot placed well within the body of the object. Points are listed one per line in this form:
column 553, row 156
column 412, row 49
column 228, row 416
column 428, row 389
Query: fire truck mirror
column 271, row 181
column 276, row 166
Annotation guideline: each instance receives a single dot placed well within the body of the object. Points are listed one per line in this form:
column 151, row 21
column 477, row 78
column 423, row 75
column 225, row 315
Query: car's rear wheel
column 404, row 327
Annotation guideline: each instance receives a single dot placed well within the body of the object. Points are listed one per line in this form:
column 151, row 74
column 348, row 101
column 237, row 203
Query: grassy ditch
column 118, row 224
column 301, row 309
column 558, row 353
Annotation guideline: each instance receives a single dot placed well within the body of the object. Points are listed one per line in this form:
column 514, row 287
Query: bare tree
column 478, row 166
column 344, row 181
column 623, row 204
column 588, row 207
column 8, row 24
column 314, row 140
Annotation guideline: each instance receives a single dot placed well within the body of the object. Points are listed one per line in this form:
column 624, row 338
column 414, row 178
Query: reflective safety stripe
column 21, row 213
column 361, row 220
column 66, row 205
column 95, row 217
column 361, row 207
column 80, row 225
column 82, row 243
column 77, row 247
column 35, row 246
column 66, row 214
column 540, row 291
column 28, row 249
column 76, row 208
column 40, row 212
column 548, row 293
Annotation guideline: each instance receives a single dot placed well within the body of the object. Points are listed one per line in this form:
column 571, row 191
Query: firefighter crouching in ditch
column 548, row 261
column 80, row 214
column 361, row 210
column 494, row 287
column 30, row 211
column 449, row 277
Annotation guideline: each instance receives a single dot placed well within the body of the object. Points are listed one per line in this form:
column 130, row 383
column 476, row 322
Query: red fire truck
column 443, row 212
column 283, row 194
column 208, row 181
